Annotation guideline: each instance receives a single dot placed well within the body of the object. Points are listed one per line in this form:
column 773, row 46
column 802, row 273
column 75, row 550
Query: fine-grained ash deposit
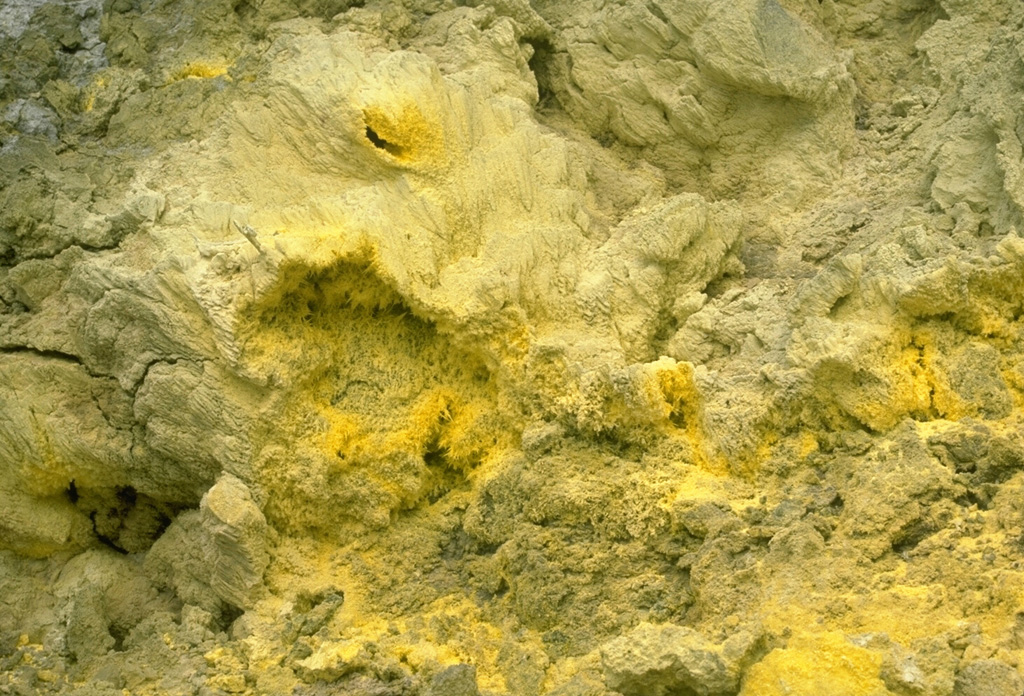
column 480, row 347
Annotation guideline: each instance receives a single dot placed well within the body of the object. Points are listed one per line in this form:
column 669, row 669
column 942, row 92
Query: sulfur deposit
column 596, row 348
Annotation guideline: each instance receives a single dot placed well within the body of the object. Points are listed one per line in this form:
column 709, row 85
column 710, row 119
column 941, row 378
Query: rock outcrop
column 485, row 347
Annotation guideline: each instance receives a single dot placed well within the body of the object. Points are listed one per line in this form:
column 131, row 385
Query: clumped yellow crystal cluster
column 508, row 347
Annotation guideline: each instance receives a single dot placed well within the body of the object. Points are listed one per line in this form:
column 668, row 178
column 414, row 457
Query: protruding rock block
column 668, row 659
column 237, row 532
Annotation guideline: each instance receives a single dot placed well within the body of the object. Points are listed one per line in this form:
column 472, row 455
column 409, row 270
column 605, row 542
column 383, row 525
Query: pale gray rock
column 32, row 118
column 15, row 16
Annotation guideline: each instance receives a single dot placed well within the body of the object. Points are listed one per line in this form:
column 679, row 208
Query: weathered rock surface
column 508, row 346
column 669, row 659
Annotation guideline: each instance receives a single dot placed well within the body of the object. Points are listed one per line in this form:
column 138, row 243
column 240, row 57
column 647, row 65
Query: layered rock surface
column 581, row 348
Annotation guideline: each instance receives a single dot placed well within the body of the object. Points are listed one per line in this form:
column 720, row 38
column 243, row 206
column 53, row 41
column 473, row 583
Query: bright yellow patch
column 405, row 134
column 200, row 70
column 901, row 380
column 808, row 444
column 904, row 612
column 943, row 401
column 379, row 411
column 815, row 666
column 681, row 397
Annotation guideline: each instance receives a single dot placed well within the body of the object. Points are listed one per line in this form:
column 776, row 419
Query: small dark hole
column 543, row 55
column 127, row 495
column 381, row 143
column 837, row 504
column 908, row 539
column 229, row 613
column 72, row 492
column 118, row 634
column 677, row 418
column 435, row 457
column 162, row 523
column 377, row 141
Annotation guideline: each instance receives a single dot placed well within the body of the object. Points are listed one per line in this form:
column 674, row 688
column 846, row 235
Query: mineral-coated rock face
column 490, row 347
column 668, row 659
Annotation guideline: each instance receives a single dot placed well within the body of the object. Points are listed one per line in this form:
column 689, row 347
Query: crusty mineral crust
column 468, row 348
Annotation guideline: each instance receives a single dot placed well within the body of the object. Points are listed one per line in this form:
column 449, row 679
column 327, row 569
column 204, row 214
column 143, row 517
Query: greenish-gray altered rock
column 508, row 347
column 988, row 677
column 667, row 659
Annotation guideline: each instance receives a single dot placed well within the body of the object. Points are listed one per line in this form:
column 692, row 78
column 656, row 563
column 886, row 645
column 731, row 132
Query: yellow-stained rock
column 509, row 347
column 813, row 665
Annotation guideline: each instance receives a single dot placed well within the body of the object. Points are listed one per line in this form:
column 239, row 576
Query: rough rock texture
column 668, row 659
column 511, row 347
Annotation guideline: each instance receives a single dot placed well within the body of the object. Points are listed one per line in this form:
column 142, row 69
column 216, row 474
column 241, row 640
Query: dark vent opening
column 382, row 144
